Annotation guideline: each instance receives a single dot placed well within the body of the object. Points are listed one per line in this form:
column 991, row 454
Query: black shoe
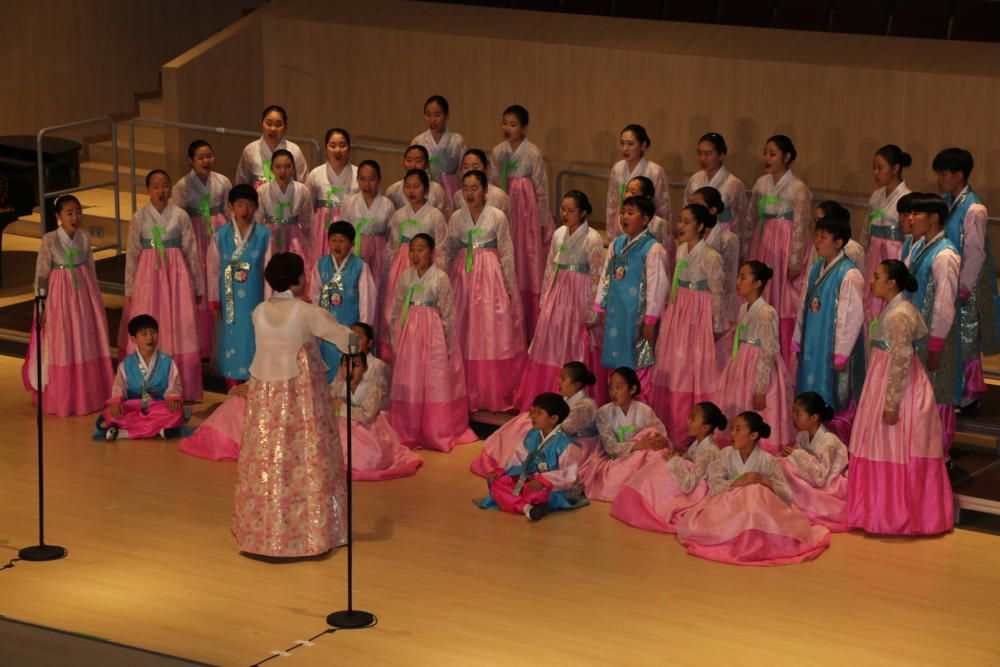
column 536, row 512
column 970, row 410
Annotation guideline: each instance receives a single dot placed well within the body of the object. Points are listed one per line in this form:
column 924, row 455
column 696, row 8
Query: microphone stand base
column 351, row 619
column 42, row 552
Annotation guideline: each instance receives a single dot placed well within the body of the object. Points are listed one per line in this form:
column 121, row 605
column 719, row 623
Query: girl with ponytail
column 882, row 234
column 748, row 518
column 898, row 481
column 657, row 495
column 814, row 467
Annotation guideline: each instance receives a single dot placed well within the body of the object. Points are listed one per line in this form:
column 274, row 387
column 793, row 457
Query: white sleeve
column 657, row 282
column 973, row 248
column 850, row 315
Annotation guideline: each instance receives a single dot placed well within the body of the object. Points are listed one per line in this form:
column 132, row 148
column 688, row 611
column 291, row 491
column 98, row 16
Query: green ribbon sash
column 330, row 192
column 360, row 238
column 268, row 173
column 507, row 166
column 622, row 431
column 404, row 225
column 205, row 211
column 71, row 255
column 435, row 165
column 406, row 303
column 621, row 195
column 279, row 219
column 764, row 201
column 470, row 255
column 872, row 217
column 740, row 328
column 682, row 264
column 157, row 242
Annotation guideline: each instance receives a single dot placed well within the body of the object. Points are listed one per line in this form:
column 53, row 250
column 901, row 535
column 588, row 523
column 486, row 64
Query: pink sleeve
column 945, row 270
column 973, row 248
column 367, row 296
column 174, row 389
column 569, row 465
column 213, row 271
column 657, row 283
column 517, row 457
column 850, row 315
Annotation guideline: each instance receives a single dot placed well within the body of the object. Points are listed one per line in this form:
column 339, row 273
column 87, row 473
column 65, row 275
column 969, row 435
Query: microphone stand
column 350, row 618
column 40, row 551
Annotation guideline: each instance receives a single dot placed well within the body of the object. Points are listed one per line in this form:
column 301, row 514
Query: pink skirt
column 879, row 250
column 488, row 330
column 603, row 477
column 685, row 372
column 218, row 437
column 561, row 336
column 321, row 220
column 290, row 482
column 750, row 525
column 898, row 481
column 826, row 506
column 76, row 361
column 451, row 185
column 652, row 500
column 429, row 404
column 376, row 453
column 529, row 248
column 148, row 424
column 500, row 445
column 400, row 262
column 735, row 395
column 167, row 293
column 773, row 247
column 206, row 237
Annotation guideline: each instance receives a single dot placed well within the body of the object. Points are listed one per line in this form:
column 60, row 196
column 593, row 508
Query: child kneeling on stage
column 540, row 476
column 146, row 396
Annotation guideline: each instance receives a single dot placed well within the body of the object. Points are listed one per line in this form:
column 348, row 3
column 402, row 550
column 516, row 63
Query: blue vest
column 907, row 246
column 242, row 290
column 819, row 321
column 624, row 301
column 546, row 460
column 341, row 296
column 157, row 383
column 948, row 379
column 979, row 316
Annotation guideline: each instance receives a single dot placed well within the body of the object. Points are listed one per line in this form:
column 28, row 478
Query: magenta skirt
column 206, row 237
column 735, row 395
column 148, row 424
column 218, row 437
column 652, row 500
column 561, row 336
column 685, row 372
column 76, row 360
column 488, row 330
column 826, row 506
column 430, row 408
column 376, row 453
column 529, row 246
column 773, row 247
column 501, row 445
column 898, row 481
column 750, row 525
column 165, row 290
column 400, row 262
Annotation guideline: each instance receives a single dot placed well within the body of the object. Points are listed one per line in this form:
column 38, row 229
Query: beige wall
column 368, row 67
column 66, row 60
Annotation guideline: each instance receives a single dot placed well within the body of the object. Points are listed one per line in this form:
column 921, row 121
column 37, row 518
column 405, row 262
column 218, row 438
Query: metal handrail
column 43, row 195
column 190, row 126
column 378, row 149
column 604, row 176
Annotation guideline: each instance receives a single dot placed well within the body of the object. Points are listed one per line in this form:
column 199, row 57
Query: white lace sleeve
column 689, row 473
column 662, row 197
column 716, row 277
column 581, row 417
column 214, row 271
column 540, row 179
column 395, row 313
column 366, row 409
column 778, row 482
column 769, row 345
column 447, row 313
column 801, row 229
column 189, row 242
column 830, row 459
column 549, row 274
column 718, row 480
column 43, row 265
column 899, row 332
column 439, row 229
column 133, row 250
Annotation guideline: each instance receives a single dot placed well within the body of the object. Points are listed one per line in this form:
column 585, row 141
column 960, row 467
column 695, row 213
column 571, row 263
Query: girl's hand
column 759, row 401
column 890, row 417
column 649, row 332
column 174, row 404
column 787, row 451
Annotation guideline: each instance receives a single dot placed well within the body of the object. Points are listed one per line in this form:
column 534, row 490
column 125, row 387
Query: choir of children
column 488, row 309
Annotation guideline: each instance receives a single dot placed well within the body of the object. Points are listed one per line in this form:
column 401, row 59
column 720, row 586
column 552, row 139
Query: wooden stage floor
column 152, row 564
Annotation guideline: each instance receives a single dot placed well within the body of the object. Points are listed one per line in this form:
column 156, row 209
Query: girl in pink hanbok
column 204, row 195
column 330, row 184
column 734, row 214
column 631, row 436
column 567, row 324
column 783, row 206
column 489, row 322
column 256, row 163
column 518, row 167
column 573, row 382
column 286, row 208
column 417, row 157
column 430, row 407
column 882, row 235
column 376, row 452
column 898, row 481
column 755, row 377
column 475, row 159
column 76, row 365
column 815, row 466
column 370, row 212
column 417, row 216
column 686, row 371
column 290, row 478
column 163, row 278
column 662, row 230
column 658, row 495
column 728, row 246
column 444, row 146
column 634, row 142
column 747, row 519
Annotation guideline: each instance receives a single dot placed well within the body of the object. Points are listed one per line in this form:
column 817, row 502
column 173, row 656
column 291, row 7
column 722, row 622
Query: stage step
column 147, row 156
column 98, row 215
column 101, row 172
